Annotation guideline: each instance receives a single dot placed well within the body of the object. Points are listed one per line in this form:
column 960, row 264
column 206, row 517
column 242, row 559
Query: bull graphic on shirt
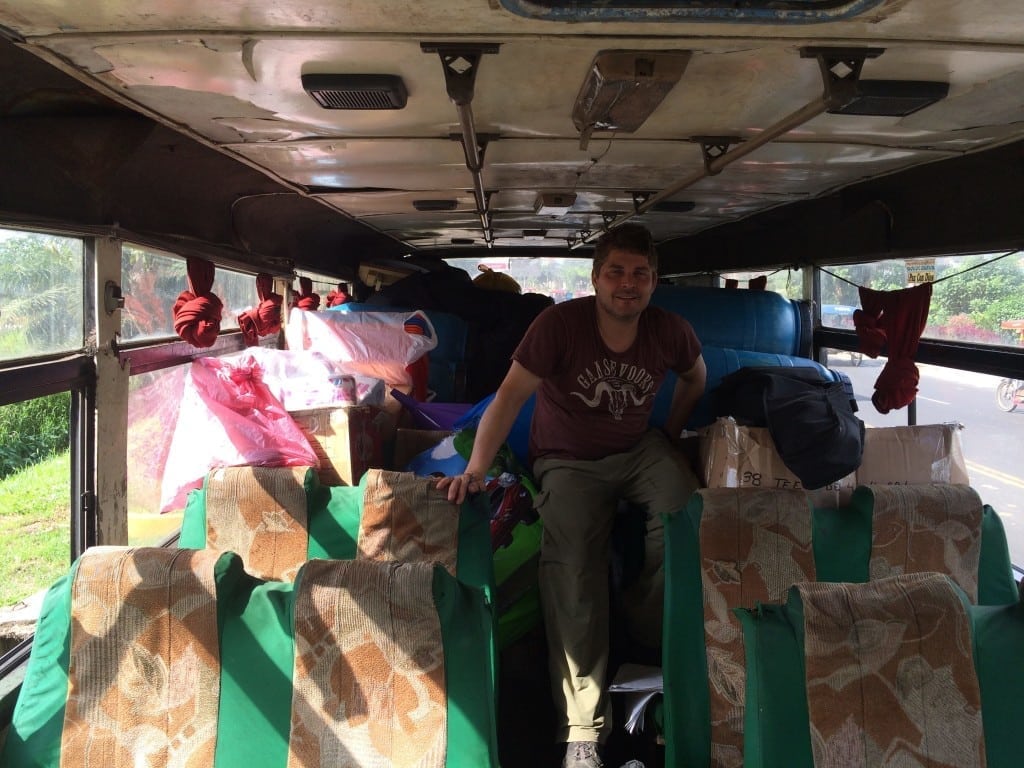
column 620, row 394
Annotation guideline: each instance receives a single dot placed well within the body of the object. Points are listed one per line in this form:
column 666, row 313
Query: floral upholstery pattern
column 918, row 528
column 890, row 674
column 754, row 544
column 144, row 674
column 405, row 518
column 259, row 513
column 369, row 679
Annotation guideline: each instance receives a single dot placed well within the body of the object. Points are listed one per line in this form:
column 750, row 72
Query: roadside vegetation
column 34, row 527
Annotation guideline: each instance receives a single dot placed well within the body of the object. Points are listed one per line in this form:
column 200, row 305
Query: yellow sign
column 920, row 271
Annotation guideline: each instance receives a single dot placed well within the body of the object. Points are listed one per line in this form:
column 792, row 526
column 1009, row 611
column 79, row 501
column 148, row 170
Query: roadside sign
column 920, row 271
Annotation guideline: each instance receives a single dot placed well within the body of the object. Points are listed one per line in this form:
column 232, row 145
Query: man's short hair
column 628, row 237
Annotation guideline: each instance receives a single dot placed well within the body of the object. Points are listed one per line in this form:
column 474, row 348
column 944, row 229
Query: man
column 596, row 364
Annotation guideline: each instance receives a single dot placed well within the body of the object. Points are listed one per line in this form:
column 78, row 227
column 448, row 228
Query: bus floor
column 526, row 715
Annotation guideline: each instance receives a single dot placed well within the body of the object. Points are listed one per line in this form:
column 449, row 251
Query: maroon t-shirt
column 593, row 402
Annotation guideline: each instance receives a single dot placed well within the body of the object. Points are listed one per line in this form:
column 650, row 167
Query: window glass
column 992, row 438
column 788, row 282
column 153, row 401
column 559, row 278
column 35, row 503
column 977, row 298
column 151, row 283
column 41, row 294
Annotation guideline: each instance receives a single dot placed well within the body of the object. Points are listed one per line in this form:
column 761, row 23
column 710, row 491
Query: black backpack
column 810, row 420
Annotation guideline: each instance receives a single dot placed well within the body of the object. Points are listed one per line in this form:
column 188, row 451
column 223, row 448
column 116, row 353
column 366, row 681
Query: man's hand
column 459, row 485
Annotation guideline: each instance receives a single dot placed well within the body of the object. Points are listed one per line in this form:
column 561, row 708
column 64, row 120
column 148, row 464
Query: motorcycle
column 1010, row 394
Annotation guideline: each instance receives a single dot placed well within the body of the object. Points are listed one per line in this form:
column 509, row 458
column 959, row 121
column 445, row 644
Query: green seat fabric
column 684, row 657
column 257, row 650
column 776, row 729
column 842, row 546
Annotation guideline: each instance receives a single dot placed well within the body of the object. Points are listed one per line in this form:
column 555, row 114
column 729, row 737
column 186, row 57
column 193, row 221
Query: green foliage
column 41, row 293
column 33, row 430
column 989, row 294
column 34, row 528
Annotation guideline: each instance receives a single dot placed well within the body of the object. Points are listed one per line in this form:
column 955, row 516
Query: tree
column 41, row 297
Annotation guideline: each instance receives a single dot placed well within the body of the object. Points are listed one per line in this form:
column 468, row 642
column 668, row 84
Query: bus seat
column 942, row 528
column 759, row 321
column 730, row 547
column 931, row 527
column 389, row 515
column 314, row 664
column 844, row 674
column 392, row 625
column 260, row 513
column 125, row 666
column 178, row 657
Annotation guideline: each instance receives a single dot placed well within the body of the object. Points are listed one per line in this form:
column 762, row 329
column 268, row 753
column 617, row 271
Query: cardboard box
column 410, row 443
column 348, row 441
column 731, row 456
column 925, row 453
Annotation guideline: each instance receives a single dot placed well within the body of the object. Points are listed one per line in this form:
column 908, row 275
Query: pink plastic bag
column 228, row 417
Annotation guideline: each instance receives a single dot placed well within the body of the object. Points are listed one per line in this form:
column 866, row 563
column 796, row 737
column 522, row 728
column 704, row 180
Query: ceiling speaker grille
column 356, row 91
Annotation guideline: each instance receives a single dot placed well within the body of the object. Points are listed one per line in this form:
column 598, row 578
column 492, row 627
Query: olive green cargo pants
column 577, row 503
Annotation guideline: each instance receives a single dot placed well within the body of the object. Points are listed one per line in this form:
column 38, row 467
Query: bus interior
column 783, row 155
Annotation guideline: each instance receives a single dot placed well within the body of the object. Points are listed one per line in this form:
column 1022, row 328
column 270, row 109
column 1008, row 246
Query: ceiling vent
column 356, row 91
column 893, row 98
column 435, row 205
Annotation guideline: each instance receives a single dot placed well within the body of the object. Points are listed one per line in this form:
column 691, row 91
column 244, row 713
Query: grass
column 35, row 519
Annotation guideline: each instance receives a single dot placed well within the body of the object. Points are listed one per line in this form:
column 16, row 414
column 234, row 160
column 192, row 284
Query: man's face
column 624, row 284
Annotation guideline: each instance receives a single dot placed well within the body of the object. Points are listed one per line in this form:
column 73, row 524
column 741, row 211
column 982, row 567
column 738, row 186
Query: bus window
column 153, row 400
column 41, row 294
column 35, row 519
column 788, row 282
column 559, row 278
column 152, row 282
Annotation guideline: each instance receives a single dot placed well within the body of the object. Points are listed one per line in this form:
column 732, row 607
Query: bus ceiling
column 487, row 127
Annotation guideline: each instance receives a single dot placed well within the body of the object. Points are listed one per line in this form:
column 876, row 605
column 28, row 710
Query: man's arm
column 689, row 388
column 494, row 427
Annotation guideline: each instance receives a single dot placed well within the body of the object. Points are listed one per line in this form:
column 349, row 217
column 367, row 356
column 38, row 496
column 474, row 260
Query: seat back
column 933, row 527
column 733, row 547
column 864, row 674
column 393, row 710
column 353, row 663
column 278, row 518
column 125, row 668
column 261, row 514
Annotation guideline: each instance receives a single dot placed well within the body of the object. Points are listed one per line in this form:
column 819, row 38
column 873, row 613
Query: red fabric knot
column 896, row 385
column 894, row 320
column 337, row 297
column 197, row 312
column 306, row 299
column 265, row 318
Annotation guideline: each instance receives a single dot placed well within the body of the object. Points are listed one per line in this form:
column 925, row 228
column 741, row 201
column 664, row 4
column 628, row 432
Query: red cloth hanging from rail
column 265, row 318
column 337, row 297
column 893, row 321
column 306, row 299
column 197, row 312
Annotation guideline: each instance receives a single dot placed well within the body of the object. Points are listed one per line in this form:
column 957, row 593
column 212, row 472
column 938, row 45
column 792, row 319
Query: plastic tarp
column 378, row 344
column 228, row 417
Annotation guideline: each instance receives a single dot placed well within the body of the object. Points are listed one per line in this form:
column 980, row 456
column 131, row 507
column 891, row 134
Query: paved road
column 993, row 441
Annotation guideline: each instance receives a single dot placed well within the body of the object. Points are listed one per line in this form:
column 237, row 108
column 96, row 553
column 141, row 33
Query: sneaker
column 582, row 754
